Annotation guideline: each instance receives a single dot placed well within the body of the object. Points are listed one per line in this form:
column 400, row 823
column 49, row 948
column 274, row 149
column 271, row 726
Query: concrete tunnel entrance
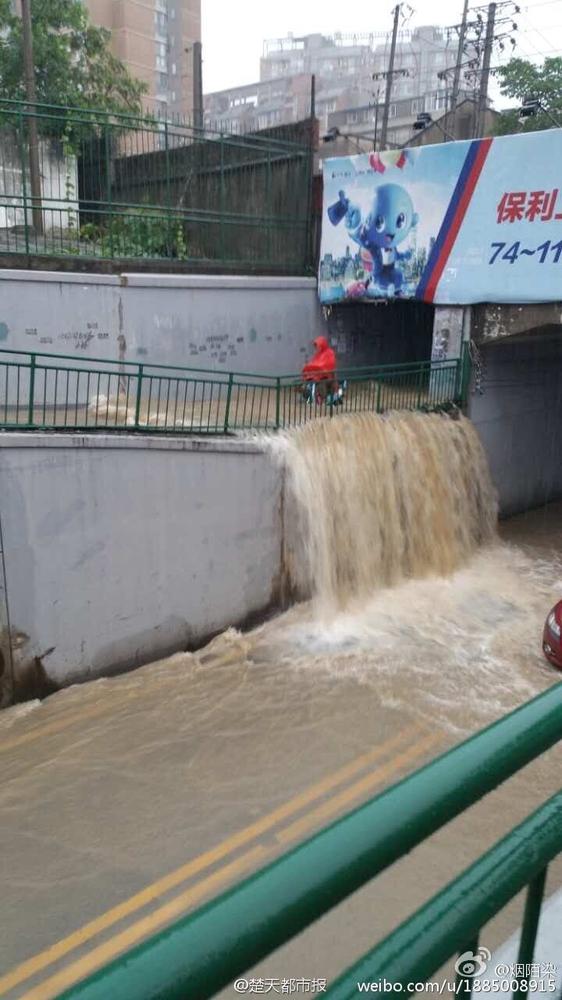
column 516, row 406
column 381, row 333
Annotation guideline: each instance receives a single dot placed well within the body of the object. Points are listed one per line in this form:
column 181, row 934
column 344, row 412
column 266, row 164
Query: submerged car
column 551, row 639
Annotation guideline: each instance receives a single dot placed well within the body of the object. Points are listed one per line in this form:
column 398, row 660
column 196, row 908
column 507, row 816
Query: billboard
column 455, row 223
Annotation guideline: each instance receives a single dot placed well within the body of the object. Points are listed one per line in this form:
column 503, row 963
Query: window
column 351, row 118
column 392, row 111
column 161, row 64
column 417, row 106
column 161, row 22
column 162, row 81
column 174, row 69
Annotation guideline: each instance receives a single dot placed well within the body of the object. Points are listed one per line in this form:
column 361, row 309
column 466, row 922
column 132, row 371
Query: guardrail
column 62, row 392
column 206, row 950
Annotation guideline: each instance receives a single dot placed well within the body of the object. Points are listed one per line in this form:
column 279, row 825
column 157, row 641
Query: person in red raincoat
column 322, row 366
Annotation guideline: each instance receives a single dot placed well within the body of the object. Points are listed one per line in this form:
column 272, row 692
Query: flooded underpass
column 127, row 801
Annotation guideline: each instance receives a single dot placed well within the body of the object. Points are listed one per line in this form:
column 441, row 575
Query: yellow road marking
column 104, row 953
column 58, row 725
column 338, row 802
column 151, row 892
column 125, row 939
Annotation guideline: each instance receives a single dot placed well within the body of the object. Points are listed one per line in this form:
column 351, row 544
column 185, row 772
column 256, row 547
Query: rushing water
column 381, row 499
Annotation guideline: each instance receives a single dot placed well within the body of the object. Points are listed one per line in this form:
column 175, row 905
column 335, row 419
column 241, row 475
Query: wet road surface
column 127, row 801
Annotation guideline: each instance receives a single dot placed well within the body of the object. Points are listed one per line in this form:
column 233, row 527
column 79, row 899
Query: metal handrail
column 204, row 951
column 452, row 919
column 63, row 392
column 349, row 370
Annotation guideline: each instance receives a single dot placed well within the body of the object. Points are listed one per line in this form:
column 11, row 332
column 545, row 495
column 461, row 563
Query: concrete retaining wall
column 120, row 550
column 207, row 321
column 518, row 415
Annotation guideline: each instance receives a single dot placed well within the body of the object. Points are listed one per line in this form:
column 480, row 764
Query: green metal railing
column 126, row 187
column 206, row 950
column 62, row 392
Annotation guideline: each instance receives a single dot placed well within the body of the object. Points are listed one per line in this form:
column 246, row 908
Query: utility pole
column 484, row 79
column 30, row 93
column 389, row 78
column 377, row 96
column 458, row 64
column 197, row 85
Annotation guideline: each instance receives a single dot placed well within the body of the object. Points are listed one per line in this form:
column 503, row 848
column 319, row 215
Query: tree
column 519, row 79
column 73, row 62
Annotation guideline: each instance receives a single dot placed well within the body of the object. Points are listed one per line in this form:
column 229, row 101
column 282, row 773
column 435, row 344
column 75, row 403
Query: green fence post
column 108, row 186
column 277, row 404
column 420, row 386
column 31, row 390
column 168, row 191
column 465, row 373
column 222, row 202
column 138, row 400
column 23, row 181
column 228, row 398
column 378, row 402
column 531, row 916
column 269, row 207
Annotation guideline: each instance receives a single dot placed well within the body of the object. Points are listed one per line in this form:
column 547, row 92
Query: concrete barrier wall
column 517, row 411
column 226, row 323
column 119, row 550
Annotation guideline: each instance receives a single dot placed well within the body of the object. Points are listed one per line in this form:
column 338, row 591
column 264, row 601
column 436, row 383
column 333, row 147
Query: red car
column 551, row 639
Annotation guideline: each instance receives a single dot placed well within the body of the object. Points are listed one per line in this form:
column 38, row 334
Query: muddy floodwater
column 110, row 786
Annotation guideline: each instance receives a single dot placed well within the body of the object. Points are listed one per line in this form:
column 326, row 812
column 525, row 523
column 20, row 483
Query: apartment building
column 155, row 39
column 365, row 121
column 348, row 70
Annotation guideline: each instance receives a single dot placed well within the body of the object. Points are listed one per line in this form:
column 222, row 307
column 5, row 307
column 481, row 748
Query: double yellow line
column 401, row 753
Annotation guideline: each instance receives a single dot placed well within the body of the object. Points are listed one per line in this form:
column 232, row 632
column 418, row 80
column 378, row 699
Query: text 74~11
column 545, row 251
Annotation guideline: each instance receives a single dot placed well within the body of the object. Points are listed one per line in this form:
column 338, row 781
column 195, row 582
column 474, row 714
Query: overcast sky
column 233, row 33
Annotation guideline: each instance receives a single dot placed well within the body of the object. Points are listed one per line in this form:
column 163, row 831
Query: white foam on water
column 412, row 592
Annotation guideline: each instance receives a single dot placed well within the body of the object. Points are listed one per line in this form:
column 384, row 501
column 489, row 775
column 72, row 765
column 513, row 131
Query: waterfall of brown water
column 386, row 498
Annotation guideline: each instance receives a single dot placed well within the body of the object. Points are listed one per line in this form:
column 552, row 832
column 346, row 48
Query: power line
column 543, row 3
column 532, row 30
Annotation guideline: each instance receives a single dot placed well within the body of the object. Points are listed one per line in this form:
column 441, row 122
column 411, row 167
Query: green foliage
column 519, row 79
column 73, row 62
column 138, row 233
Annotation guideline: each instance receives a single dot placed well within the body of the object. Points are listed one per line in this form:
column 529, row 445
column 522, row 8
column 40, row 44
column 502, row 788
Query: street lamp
column 530, row 107
column 424, row 119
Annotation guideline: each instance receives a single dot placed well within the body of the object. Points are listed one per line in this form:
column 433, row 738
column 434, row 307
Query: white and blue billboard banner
column 454, row 223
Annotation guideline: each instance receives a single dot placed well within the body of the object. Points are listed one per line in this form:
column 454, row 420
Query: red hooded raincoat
column 322, row 365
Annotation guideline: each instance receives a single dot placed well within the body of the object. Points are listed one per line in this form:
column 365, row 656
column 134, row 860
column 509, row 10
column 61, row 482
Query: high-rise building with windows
column 350, row 84
column 155, row 40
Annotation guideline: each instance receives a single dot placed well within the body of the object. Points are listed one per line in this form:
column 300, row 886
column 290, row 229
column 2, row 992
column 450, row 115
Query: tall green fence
column 62, row 392
column 124, row 187
column 206, row 950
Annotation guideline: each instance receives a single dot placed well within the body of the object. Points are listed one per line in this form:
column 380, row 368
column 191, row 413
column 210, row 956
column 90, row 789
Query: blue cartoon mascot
column 389, row 222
